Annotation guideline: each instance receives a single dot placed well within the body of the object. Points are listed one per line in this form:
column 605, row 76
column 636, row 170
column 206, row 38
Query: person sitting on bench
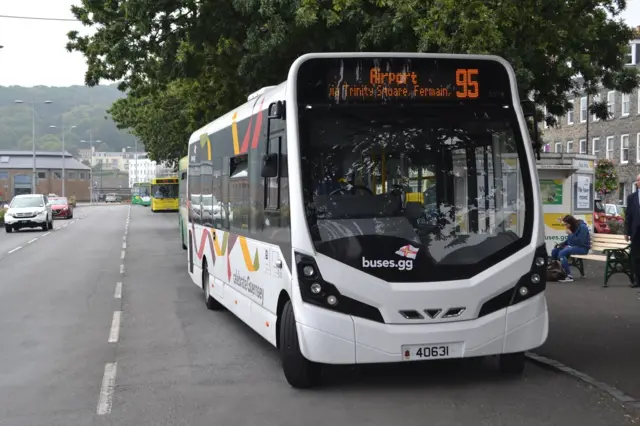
column 578, row 242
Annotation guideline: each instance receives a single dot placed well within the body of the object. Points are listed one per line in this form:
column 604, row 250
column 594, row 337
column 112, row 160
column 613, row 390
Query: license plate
column 434, row 351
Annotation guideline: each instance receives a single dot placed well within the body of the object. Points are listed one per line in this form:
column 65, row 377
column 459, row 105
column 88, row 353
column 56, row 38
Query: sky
column 34, row 51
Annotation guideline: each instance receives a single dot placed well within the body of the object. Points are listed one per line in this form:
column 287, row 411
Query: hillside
column 80, row 106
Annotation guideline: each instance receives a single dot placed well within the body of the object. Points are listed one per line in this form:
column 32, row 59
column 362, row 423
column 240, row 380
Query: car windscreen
column 59, row 201
column 27, row 202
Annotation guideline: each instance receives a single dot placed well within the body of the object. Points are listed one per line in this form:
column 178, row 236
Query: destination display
column 402, row 80
column 167, row 180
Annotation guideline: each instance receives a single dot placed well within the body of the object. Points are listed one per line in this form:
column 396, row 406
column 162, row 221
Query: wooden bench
column 610, row 248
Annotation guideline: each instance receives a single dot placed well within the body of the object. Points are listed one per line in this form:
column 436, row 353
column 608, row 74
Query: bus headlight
column 535, row 281
column 316, row 291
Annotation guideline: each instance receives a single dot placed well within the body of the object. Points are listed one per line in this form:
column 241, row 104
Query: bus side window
column 272, row 185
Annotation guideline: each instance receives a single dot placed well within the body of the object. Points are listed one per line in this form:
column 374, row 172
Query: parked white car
column 28, row 211
column 110, row 198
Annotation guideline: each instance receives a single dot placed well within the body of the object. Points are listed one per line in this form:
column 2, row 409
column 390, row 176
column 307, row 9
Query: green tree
column 49, row 143
column 185, row 62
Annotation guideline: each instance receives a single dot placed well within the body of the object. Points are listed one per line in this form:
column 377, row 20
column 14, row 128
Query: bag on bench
column 555, row 272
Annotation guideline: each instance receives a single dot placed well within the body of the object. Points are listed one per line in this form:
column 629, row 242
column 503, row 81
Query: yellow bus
column 164, row 194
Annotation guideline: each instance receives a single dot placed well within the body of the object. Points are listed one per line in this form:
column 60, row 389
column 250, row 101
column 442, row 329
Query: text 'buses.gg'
column 375, row 207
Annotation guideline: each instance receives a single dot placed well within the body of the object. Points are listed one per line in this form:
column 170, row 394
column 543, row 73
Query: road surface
column 80, row 349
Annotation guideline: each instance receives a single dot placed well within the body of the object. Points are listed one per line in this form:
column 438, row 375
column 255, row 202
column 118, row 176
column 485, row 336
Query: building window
column 611, row 103
column 570, row 113
column 558, row 147
column 630, row 56
column 624, row 149
column 583, row 146
column 72, row 175
column 547, row 147
column 609, row 148
column 5, row 175
column 569, row 147
column 596, row 99
column 583, row 109
column 57, row 175
column 42, row 175
column 626, row 103
column 622, row 193
column 595, row 146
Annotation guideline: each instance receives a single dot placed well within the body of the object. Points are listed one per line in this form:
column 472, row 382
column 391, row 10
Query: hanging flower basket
column 606, row 177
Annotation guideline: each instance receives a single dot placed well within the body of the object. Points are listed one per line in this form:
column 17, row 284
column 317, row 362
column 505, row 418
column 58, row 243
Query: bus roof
column 259, row 102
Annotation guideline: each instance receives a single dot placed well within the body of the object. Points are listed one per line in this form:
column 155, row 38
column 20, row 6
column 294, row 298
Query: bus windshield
column 164, row 191
column 425, row 192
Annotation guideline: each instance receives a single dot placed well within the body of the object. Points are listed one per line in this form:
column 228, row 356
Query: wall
column 616, row 126
column 50, row 184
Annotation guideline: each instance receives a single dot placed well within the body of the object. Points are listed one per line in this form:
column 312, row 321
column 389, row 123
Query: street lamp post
column 33, row 136
column 90, row 141
column 64, row 173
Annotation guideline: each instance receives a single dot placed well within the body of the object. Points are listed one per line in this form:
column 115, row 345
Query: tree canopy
column 185, row 62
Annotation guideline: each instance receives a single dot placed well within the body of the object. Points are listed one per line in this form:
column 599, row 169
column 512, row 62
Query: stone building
column 617, row 138
column 16, row 172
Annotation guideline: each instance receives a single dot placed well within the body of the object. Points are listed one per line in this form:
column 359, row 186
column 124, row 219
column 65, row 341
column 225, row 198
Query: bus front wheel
column 299, row 371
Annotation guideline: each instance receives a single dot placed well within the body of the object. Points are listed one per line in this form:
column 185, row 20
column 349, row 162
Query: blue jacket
column 580, row 238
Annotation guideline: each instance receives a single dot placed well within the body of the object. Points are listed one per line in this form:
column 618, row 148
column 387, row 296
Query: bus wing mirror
column 529, row 111
column 270, row 165
column 528, row 108
column 277, row 110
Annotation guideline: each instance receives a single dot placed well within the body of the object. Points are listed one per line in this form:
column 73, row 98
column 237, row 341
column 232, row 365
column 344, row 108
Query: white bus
column 375, row 207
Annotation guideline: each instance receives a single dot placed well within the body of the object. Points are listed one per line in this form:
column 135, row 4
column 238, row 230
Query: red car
column 61, row 208
column 600, row 225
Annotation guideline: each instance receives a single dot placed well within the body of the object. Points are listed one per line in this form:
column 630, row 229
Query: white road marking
column 32, row 241
column 105, row 400
column 122, row 269
column 118, row 293
column 65, row 225
column 124, row 246
column 44, row 235
column 115, row 327
column 124, row 238
column 122, row 255
column 15, row 250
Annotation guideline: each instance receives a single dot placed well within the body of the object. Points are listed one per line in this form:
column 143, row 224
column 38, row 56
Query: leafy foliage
column 606, row 177
column 189, row 61
column 78, row 106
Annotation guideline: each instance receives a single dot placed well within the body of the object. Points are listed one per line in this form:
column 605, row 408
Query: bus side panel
column 228, row 196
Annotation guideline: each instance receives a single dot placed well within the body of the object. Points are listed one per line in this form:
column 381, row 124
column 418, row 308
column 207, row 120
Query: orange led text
column 376, row 76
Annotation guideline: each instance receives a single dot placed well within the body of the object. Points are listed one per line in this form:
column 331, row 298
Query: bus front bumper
column 333, row 338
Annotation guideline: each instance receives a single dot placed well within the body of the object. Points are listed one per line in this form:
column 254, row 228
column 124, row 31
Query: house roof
column 44, row 160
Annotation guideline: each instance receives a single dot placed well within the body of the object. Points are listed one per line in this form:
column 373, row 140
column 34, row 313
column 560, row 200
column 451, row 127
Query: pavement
column 78, row 348
column 595, row 330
